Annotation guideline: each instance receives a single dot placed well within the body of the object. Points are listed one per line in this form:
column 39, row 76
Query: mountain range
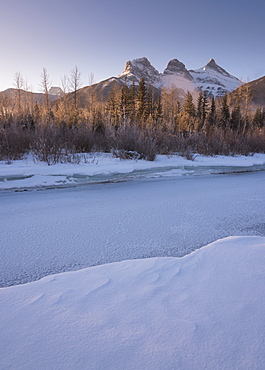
column 211, row 78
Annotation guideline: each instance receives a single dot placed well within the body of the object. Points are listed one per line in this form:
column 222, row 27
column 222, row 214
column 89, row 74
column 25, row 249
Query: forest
column 133, row 121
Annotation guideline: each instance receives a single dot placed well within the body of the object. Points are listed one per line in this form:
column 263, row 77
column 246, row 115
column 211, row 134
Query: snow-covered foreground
column 201, row 311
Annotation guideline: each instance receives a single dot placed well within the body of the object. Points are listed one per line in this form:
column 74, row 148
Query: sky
column 98, row 36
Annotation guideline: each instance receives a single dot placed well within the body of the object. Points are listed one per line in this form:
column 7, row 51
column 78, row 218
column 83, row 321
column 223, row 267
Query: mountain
column 56, row 91
column 137, row 68
column 255, row 90
column 54, row 94
column 214, row 79
column 211, row 78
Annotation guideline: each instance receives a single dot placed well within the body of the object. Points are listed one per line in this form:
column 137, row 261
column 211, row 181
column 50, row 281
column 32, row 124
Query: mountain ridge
column 211, row 78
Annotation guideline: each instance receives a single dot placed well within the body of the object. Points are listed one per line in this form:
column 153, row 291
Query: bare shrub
column 131, row 138
column 14, row 142
column 49, row 144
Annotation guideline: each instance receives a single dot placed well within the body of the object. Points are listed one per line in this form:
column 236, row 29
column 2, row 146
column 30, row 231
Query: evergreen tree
column 202, row 103
column 178, row 107
column 199, row 106
column 224, row 112
column 236, row 117
column 159, row 108
column 205, row 103
column 141, row 98
column 188, row 106
column 132, row 101
column 113, row 106
column 124, row 104
column 150, row 103
column 211, row 118
column 259, row 118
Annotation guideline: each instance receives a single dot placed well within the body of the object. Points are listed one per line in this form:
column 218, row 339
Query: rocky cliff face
column 137, row 68
column 176, row 67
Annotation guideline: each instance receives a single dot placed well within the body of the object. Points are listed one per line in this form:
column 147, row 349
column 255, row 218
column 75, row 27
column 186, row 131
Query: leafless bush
column 14, row 142
column 55, row 143
column 49, row 144
column 132, row 139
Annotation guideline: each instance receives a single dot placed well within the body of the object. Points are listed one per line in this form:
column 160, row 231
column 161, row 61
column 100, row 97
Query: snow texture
column 201, row 311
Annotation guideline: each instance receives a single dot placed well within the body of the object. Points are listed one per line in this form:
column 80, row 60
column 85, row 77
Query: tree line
column 135, row 120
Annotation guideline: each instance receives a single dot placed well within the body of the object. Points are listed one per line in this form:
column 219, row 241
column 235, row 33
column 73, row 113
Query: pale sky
column 99, row 36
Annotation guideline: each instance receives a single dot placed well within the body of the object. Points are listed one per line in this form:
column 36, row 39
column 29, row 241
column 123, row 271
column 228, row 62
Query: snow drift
column 201, row 311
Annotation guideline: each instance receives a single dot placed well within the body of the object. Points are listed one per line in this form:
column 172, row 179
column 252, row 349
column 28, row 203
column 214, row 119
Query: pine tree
column 199, row 106
column 159, row 108
column 188, row 106
column 211, row 118
column 124, row 104
column 141, row 98
column 259, row 118
column 132, row 101
column 150, row 103
column 224, row 113
column 113, row 106
column 202, row 103
column 236, row 117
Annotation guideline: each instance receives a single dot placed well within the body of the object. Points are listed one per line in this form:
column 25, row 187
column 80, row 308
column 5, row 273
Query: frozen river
column 49, row 231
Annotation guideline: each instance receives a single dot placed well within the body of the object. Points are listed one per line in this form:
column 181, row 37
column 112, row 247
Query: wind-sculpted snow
column 202, row 311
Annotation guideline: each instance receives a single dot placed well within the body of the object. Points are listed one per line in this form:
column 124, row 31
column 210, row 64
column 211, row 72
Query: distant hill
column 54, row 93
column 256, row 90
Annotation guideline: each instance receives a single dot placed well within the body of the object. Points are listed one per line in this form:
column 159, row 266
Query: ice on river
column 45, row 231
column 103, row 167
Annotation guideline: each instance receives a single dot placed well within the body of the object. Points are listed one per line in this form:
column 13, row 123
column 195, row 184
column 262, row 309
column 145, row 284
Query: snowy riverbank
column 102, row 167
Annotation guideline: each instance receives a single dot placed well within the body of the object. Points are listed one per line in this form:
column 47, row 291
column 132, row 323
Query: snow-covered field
column 204, row 310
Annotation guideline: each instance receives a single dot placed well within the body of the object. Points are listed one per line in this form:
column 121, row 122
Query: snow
column 112, row 210
column 161, row 263
column 201, row 311
column 102, row 167
column 210, row 80
column 178, row 81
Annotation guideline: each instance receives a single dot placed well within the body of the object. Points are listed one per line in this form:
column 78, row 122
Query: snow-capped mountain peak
column 211, row 78
column 215, row 67
column 137, row 68
column 176, row 67
column 214, row 79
